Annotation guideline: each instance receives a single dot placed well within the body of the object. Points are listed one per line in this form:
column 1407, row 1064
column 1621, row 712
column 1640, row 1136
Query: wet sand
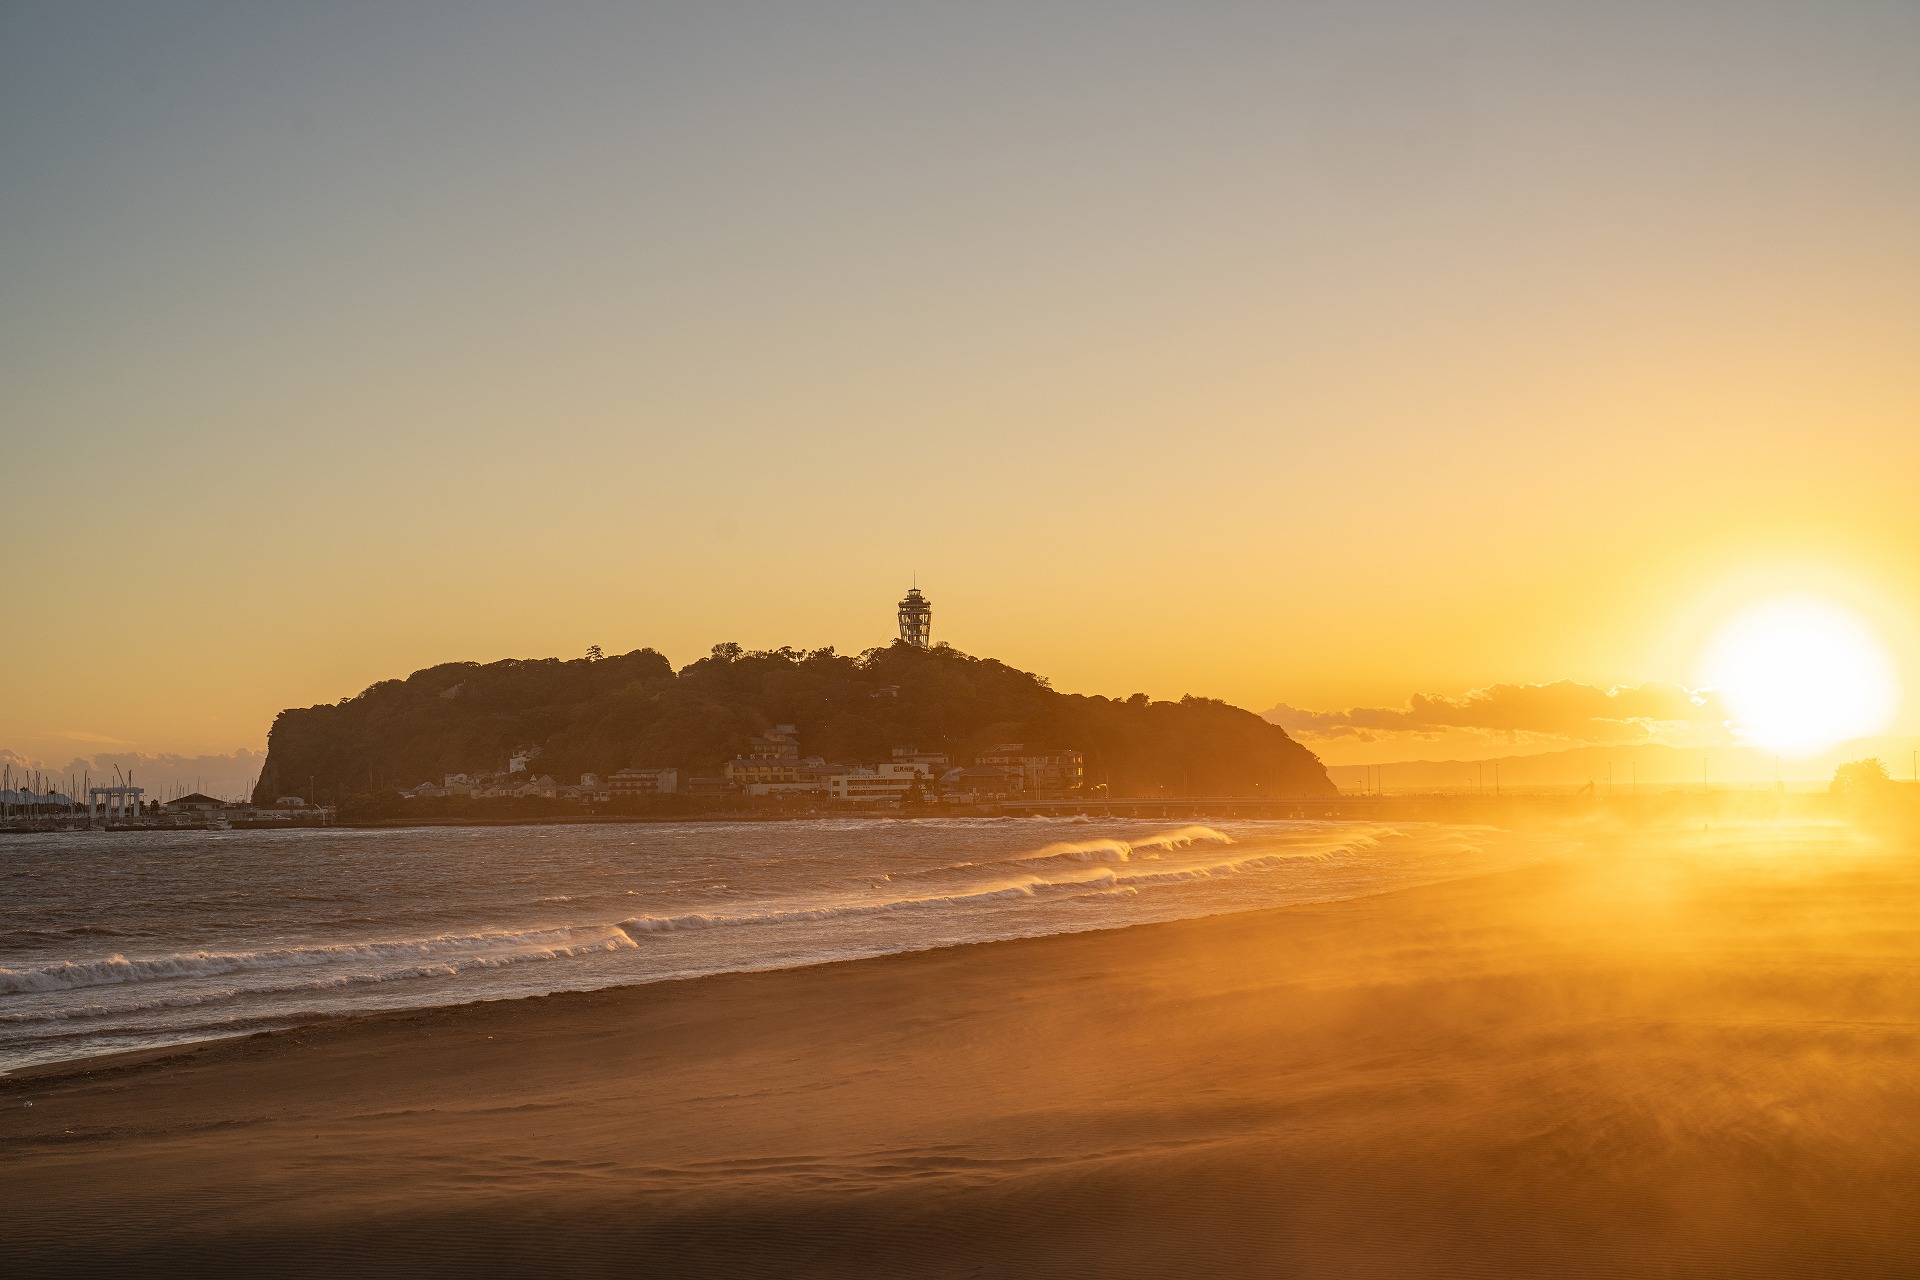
column 1663, row 1061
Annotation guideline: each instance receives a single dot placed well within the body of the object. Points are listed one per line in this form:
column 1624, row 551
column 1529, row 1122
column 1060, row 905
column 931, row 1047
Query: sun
column 1800, row 673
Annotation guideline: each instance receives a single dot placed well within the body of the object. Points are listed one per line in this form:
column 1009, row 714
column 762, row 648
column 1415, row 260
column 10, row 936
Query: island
column 899, row 724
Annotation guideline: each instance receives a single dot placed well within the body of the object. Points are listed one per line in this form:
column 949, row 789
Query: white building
column 928, row 762
column 886, row 783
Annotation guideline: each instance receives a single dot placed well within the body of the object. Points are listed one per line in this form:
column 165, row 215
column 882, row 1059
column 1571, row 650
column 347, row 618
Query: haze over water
column 120, row 941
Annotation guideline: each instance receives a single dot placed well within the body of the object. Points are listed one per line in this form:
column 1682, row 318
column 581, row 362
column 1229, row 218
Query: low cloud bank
column 1564, row 709
column 226, row 776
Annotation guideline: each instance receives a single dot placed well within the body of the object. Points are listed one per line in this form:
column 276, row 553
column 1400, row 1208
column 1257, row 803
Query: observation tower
column 916, row 620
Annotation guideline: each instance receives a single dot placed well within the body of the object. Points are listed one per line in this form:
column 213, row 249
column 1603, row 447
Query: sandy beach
column 1669, row 1057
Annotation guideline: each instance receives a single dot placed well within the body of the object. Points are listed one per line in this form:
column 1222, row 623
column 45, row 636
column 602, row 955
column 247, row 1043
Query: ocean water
column 124, row 940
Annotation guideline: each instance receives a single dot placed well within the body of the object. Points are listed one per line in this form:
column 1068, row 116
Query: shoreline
column 85, row 1063
column 90, row 1064
column 1522, row 811
column 1648, row 1056
column 110, row 985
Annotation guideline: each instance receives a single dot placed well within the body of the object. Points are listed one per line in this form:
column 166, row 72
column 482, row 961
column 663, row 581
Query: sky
column 1324, row 357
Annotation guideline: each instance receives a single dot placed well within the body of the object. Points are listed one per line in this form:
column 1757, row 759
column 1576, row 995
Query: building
column 195, row 803
column 981, row 782
column 887, row 783
column 771, row 760
column 808, row 777
column 782, row 742
column 916, row 620
column 754, row 771
column 1043, row 770
column 928, row 762
column 643, row 782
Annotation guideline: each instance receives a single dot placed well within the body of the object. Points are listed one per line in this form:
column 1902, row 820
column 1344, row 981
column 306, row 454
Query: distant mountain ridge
column 601, row 715
column 1644, row 764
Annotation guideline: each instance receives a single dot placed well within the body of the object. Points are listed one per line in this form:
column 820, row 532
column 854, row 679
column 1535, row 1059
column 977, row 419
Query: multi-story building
column 644, row 782
column 799, row 778
column 928, row 763
column 751, row 771
column 981, row 782
column 1042, row 769
column 772, row 760
column 782, row 742
column 889, row 782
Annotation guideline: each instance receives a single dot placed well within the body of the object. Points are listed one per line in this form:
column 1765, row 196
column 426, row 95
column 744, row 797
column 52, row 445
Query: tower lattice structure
column 916, row 620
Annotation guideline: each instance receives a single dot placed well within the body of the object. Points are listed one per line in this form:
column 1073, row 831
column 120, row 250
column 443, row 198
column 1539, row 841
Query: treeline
column 634, row 709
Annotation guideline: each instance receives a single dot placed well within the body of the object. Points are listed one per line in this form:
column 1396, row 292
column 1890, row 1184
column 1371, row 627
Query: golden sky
column 1319, row 355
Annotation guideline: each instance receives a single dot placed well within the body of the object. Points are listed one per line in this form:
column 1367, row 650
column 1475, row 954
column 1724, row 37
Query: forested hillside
column 633, row 709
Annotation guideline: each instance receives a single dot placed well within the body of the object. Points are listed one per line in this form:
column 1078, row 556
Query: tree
column 635, row 709
column 593, row 653
column 1860, row 778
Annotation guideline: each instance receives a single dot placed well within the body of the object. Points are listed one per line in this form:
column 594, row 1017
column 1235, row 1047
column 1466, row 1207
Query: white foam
column 1114, row 850
column 1080, row 881
column 1184, row 837
column 449, row 952
column 1000, row 892
column 1082, row 851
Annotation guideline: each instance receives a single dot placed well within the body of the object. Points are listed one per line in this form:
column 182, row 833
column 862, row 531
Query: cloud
column 231, row 774
column 1563, row 709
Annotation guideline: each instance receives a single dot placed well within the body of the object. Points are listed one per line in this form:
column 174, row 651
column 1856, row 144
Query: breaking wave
column 447, row 953
column 227, row 935
column 1099, row 874
column 1111, row 850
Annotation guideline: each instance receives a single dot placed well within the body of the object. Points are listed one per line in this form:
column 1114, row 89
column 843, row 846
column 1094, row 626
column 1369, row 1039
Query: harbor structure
column 194, row 803
column 114, row 804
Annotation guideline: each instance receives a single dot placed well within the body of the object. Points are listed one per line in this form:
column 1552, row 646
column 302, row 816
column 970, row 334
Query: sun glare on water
column 1801, row 674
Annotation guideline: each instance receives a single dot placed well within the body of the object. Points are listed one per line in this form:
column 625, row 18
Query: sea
column 113, row 941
